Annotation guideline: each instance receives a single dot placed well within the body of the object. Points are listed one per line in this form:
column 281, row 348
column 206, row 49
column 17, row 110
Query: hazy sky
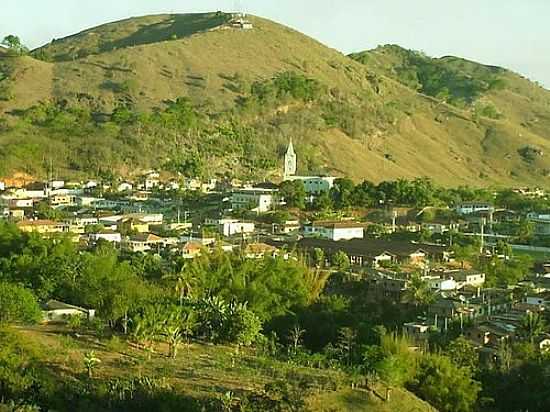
column 510, row 33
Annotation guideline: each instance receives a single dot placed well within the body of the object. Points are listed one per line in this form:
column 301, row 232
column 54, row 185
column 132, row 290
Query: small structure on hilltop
column 239, row 21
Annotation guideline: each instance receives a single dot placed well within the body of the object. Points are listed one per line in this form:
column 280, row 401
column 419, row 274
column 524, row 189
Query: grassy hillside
column 203, row 373
column 379, row 115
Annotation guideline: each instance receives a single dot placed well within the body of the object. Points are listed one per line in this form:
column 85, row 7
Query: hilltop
column 378, row 115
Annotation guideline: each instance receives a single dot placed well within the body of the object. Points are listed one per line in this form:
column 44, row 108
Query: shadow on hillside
column 175, row 26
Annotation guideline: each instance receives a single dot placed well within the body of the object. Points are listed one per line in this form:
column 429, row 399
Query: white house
column 467, row 278
column 109, row 236
column 2, row 186
column 91, row 184
column 441, row 283
column 335, row 230
column 125, row 187
column 21, row 203
column 235, row 227
column 315, row 184
column 467, row 208
column 256, row 199
column 55, row 311
column 57, row 184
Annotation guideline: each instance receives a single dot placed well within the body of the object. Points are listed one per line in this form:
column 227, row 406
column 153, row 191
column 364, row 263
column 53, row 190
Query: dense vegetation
column 284, row 310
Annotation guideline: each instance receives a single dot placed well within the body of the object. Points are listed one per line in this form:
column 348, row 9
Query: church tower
column 290, row 161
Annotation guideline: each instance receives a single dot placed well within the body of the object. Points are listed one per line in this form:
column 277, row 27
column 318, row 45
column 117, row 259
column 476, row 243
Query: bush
column 18, row 304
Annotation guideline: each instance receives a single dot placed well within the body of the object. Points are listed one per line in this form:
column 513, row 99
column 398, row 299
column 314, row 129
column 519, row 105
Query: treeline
column 419, row 192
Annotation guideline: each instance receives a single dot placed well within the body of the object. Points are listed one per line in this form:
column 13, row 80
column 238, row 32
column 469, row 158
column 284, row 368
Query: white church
column 312, row 184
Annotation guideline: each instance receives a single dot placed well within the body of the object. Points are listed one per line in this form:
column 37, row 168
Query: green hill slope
column 382, row 114
column 202, row 375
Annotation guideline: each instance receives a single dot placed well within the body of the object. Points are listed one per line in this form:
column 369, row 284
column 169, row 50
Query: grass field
column 204, row 371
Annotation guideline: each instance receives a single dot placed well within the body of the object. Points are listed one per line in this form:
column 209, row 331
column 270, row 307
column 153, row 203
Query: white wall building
column 313, row 184
column 335, row 230
column 256, row 199
column 112, row 237
column 467, row 208
column 236, row 227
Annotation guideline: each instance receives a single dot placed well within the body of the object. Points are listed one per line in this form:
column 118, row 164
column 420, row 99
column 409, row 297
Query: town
column 431, row 257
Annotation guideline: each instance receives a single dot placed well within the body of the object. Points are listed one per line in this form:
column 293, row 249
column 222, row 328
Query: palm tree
column 418, row 292
column 186, row 281
column 295, row 336
column 90, row 362
column 531, row 326
column 173, row 336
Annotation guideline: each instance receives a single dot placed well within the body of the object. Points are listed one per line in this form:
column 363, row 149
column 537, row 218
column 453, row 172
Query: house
column 540, row 300
column 467, row 278
column 25, row 203
column 543, row 343
column 62, row 200
column 143, row 242
column 42, row 226
column 376, row 252
column 417, row 331
column 314, row 185
column 335, row 230
column 140, row 196
column 235, row 227
column 286, row 227
column 255, row 199
column 91, row 184
column 125, row 187
column 441, row 283
column 56, row 184
column 541, row 223
column 106, row 235
column 466, row 208
column 2, row 186
column 259, row 250
column 15, row 214
column 190, row 249
column 132, row 224
column 56, row 311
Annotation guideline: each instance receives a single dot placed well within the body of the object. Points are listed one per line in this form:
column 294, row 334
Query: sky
column 510, row 33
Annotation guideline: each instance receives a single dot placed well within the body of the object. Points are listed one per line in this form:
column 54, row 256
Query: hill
column 203, row 375
column 377, row 115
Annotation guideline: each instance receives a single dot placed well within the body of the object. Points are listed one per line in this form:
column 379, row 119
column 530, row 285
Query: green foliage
column 294, row 193
column 18, row 304
column 446, row 386
column 463, row 354
column 13, row 43
column 340, row 260
column 18, row 367
column 444, row 79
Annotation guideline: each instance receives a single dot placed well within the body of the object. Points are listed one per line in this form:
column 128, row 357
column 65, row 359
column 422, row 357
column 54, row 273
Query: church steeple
column 290, row 161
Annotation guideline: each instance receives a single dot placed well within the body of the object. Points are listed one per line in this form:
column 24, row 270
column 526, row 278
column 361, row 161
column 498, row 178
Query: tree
column 531, row 326
column 418, row 292
column 14, row 44
column 463, row 353
column 295, row 336
column 341, row 260
column 294, row 193
column 319, row 257
column 90, row 363
column 446, row 386
column 244, row 326
column 186, row 282
column 323, row 202
column 18, row 304
column 174, row 338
